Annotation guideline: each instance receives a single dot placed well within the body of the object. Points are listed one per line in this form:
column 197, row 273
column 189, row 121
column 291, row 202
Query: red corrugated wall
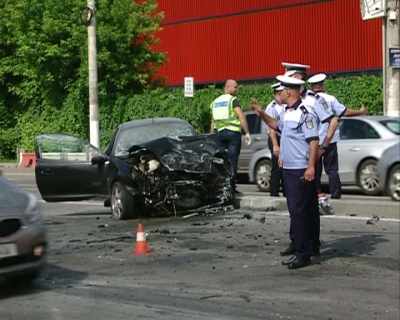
column 213, row 40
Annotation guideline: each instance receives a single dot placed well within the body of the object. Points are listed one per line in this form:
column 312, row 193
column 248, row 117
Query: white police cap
column 301, row 68
column 318, row 78
column 277, row 86
column 288, row 82
column 290, row 73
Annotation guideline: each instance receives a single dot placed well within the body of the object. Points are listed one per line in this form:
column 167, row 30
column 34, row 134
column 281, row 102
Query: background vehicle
column 389, row 172
column 362, row 142
column 259, row 141
column 158, row 162
column 23, row 240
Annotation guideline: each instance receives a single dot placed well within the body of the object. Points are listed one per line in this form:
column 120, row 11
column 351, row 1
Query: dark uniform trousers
column 302, row 201
column 232, row 141
column 329, row 162
column 276, row 172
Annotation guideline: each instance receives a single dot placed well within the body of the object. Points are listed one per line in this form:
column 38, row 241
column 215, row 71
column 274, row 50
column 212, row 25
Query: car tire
column 262, row 175
column 393, row 187
column 25, row 278
column 367, row 177
column 122, row 202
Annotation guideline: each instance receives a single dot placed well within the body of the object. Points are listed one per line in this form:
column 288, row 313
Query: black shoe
column 289, row 261
column 299, row 263
column 274, row 195
column 315, row 252
column 238, row 193
column 289, row 251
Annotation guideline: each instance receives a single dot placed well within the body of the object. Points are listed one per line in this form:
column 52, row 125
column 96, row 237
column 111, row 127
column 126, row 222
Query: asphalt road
column 224, row 266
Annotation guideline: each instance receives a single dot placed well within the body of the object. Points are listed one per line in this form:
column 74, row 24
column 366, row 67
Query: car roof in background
column 150, row 121
column 374, row 118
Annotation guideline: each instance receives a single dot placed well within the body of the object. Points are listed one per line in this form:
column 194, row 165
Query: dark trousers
column 329, row 161
column 276, row 172
column 232, row 141
column 302, row 201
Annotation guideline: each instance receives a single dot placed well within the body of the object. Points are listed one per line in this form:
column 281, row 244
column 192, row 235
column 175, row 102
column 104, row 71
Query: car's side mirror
column 99, row 160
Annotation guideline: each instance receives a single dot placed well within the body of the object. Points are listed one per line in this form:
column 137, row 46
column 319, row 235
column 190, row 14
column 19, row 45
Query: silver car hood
column 13, row 199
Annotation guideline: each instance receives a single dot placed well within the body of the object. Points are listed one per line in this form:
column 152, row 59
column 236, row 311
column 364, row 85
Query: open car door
column 64, row 169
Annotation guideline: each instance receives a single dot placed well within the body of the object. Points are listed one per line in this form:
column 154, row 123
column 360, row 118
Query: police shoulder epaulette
column 273, row 104
column 304, row 109
column 311, row 93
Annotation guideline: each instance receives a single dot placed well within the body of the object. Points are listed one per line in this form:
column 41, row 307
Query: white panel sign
column 189, row 87
column 372, row 9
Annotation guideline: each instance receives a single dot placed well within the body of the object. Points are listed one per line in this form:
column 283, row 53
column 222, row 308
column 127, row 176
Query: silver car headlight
column 32, row 212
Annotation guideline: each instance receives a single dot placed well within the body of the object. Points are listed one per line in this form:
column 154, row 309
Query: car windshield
column 137, row 135
column 393, row 125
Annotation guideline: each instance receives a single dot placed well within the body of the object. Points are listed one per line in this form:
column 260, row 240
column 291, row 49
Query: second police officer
column 298, row 125
column 274, row 109
column 328, row 159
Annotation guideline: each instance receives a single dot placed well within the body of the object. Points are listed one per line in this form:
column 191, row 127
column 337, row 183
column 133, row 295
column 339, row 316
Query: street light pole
column 93, row 82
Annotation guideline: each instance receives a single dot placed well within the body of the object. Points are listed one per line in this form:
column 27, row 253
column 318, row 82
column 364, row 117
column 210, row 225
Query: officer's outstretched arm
column 271, row 122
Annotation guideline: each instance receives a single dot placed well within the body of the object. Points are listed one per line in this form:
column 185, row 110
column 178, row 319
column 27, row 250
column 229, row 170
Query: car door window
column 352, row 129
column 65, row 147
column 254, row 123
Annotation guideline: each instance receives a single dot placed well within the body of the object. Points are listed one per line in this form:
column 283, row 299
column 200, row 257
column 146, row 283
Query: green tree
column 44, row 67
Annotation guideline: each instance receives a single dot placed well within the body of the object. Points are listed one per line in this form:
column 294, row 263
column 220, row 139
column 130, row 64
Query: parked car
column 23, row 240
column 389, row 172
column 259, row 141
column 160, row 163
column 362, row 142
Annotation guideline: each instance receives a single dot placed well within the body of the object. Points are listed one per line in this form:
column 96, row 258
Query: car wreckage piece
column 181, row 174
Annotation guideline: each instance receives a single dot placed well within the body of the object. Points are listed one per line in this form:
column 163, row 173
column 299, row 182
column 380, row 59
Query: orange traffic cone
column 141, row 242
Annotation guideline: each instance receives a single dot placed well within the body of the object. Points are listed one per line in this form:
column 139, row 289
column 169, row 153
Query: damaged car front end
column 181, row 174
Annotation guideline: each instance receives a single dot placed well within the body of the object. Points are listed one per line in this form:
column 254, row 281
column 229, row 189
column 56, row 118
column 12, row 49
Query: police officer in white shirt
column 299, row 150
column 274, row 109
column 328, row 156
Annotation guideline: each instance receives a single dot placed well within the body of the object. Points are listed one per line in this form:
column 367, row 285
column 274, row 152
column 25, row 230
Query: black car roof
column 150, row 121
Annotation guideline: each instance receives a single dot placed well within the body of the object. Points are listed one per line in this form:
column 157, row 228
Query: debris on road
column 247, row 216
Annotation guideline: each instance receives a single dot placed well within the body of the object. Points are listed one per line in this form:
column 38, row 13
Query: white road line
column 338, row 216
column 75, row 202
column 26, row 174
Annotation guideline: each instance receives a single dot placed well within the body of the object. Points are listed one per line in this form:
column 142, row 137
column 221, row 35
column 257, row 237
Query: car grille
column 9, row 226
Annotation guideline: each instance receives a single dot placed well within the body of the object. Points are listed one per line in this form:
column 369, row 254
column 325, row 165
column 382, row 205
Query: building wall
column 213, row 40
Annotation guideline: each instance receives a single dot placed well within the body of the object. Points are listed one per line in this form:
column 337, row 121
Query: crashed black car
column 160, row 163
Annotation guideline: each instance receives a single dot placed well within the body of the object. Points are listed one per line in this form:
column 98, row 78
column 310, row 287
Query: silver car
column 362, row 142
column 259, row 141
column 389, row 172
column 23, row 240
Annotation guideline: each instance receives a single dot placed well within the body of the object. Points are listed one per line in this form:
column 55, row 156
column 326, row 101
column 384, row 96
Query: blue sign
column 394, row 57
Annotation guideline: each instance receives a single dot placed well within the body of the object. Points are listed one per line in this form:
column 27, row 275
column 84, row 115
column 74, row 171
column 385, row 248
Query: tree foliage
column 44, row 63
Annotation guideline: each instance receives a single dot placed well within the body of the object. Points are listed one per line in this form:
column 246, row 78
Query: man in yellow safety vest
column 228, row 120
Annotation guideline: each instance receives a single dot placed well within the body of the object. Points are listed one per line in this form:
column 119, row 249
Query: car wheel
column 262, row 175
column 24, row 278
column 122, row 202
column 393, row 187
column 367, row 177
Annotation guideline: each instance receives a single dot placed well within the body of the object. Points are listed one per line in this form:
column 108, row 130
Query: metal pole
column 93, row 89
column 392, row 74
column 384, row 65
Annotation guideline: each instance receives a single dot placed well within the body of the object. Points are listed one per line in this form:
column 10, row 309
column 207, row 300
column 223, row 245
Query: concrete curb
column 8, row 165
column 345, row 207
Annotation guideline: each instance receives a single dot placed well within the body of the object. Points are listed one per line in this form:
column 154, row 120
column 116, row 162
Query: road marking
column 18, row 174
column 338, row 216
column 74, row 202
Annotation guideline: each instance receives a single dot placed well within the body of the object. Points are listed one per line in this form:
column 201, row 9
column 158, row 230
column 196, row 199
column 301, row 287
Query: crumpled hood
column 13, row 199
column 188, row 153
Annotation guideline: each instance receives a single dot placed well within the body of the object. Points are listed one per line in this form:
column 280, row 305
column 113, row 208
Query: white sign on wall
column 189, row 87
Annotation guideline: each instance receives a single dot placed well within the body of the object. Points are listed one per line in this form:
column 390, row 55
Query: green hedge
column 72, row 117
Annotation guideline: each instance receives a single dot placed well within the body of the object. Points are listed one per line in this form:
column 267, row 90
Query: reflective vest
column 224, row 115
